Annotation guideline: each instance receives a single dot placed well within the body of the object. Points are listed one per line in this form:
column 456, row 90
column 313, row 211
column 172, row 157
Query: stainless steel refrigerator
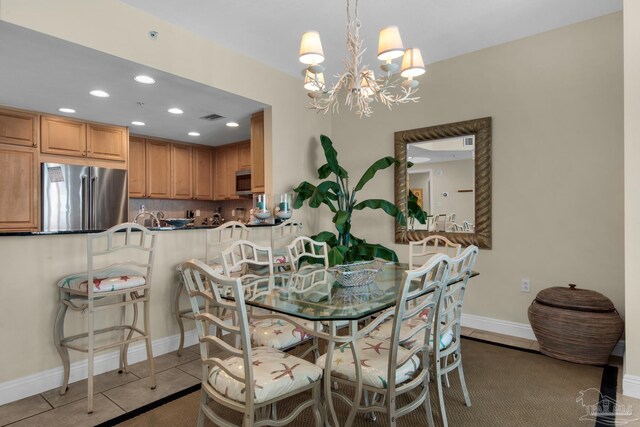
column 83, row 197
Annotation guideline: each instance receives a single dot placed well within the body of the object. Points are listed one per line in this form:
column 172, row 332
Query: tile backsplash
column 178, row 208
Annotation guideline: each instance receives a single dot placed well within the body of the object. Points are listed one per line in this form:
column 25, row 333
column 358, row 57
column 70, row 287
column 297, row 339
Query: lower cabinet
column 19, row 189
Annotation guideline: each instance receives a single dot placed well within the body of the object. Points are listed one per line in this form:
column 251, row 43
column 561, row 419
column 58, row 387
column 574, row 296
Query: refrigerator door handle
column 92, row 202
column 85, row 203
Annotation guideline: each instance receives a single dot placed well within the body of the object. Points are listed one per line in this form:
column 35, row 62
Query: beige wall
column 557, row 105
column 632, row 193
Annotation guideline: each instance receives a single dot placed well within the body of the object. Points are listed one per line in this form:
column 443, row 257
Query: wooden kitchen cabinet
column 63, row 136
column 19, row 190
column 181, row 176
column 107, row 142
column 226, row 165
column 244, row 155
column 137, row 167
column 257, row 153
column 203, row 164
column 19, row 128
column 158, row 171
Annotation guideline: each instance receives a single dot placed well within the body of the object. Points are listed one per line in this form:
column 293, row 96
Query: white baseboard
column 514, row 329
column 631, row 386
column 51, row 378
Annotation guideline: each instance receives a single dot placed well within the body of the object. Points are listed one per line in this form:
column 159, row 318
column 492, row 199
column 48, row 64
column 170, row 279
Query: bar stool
column 218, row 239
column 119, row 266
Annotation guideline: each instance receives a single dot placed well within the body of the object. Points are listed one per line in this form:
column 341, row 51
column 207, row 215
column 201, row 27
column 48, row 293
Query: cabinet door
column 257, row 152
column 158, row 169
column 18, row 128
column 137, row 167
column 221, row 175
column 181, row 157
column 244, row 155
column 19, row 189
column 203, row 173
column 106, row 142
column 232, row 168
column 63, row 136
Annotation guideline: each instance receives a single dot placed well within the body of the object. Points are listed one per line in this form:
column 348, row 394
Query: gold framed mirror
column 470, row 141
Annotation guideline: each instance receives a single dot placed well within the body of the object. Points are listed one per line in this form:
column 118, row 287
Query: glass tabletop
column 312, row 293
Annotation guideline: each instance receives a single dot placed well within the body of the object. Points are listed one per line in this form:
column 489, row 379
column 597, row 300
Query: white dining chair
column 242, row 256
column 119, row 268
column 422, row 250
column 281, row 236
column 387, row 369
column 306, row 249
column 252, row 380
column 217, row 240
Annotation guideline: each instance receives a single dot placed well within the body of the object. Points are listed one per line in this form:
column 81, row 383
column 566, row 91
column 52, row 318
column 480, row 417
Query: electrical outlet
column 525, row 286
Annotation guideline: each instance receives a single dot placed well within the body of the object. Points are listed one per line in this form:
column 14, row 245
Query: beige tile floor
column 117, row 394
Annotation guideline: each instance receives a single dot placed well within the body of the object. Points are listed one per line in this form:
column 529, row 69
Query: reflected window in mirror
column 447, row 168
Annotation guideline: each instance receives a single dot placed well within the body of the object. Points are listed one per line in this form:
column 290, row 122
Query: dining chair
column 422, row 250
column 387, row 369
column 241, row 256
column 217, row 240
column 281, row 236
column 305, row 249
column 119, row 267
column 252, row 380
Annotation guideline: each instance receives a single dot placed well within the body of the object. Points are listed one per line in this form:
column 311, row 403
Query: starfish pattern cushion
column 276, row 333
column 409, row 335
column 104, row 281
column 274, row 374
column 374, row 361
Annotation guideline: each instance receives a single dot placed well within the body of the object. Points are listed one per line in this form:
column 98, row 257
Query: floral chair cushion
column 276, row 333
column 407, row 328
column 104, row 281
column 374, row 361
column 274, row 374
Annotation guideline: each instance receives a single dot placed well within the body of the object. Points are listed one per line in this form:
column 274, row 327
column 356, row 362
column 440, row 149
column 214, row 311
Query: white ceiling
column 42, row 73
column 270, row 31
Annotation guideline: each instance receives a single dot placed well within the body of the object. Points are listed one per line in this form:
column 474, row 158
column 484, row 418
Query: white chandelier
column 361, row 85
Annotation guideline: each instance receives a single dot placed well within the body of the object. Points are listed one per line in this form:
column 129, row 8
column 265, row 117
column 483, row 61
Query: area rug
column 508, row 387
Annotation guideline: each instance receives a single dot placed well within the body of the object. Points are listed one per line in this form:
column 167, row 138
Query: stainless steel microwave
column 243, row 182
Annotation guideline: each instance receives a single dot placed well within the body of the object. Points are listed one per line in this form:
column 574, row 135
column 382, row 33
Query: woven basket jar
column 576, row 325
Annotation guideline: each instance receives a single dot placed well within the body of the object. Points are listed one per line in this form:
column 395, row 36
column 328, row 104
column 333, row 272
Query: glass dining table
column 313, row 294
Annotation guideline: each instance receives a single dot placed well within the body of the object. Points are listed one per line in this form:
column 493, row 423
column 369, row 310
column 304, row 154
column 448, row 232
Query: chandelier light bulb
column 311, row 52
column 412, row 63
column 390, row 44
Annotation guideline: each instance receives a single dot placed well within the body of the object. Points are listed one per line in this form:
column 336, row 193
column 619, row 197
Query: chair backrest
column 284, row 233
column 424, row 287
column 467, row 226
column 124, row 249
column 243, row 254
column 455, row 227
column 308, row 248
column 202, row 282
column 451, row 311
column 219, row 239
column 419, row 252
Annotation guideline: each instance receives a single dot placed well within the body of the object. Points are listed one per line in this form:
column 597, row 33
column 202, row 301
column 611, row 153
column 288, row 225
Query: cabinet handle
column 35, row 144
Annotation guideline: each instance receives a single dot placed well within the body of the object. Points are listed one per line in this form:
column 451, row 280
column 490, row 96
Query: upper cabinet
column 226, row 166
column 244, row 155
column 158, row 172
column 203, row 175
column 137, row 167
column 18, row 128
column 74, row 138
column 257, row 153
column 181, row 167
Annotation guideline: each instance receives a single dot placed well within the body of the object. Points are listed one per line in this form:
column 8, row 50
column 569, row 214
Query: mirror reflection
column 441, row 176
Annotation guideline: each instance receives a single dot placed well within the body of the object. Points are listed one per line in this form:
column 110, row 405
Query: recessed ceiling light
column 193, row 134
column 232, row 124
column 99, row 93
column 137, row 123
column 175, row 110
column 66, row 110
column 144, row 79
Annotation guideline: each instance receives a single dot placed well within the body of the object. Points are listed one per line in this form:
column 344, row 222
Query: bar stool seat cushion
column 276, row 333
column 274, row 374
column 374, row 362
column 104, row 281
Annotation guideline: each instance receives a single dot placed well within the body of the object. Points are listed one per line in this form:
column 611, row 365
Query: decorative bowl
column 283, row 214
column 178, row 222
column 357, row 273
column 261, row 214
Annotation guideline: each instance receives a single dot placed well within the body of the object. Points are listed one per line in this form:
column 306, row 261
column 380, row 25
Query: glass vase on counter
column 261, row 211
column 283, row 209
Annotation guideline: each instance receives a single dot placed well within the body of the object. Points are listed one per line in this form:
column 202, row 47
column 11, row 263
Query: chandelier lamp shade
column 358, row 84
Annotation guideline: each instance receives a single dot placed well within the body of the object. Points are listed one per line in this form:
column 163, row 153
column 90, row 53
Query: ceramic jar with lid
column 577, row 325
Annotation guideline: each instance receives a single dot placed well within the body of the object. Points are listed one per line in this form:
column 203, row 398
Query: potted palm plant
column 340, row 198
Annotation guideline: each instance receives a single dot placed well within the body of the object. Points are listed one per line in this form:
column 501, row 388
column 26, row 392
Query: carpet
column 508, row 387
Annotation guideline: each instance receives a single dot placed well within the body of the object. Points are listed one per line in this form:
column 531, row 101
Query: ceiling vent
column 212, row 117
